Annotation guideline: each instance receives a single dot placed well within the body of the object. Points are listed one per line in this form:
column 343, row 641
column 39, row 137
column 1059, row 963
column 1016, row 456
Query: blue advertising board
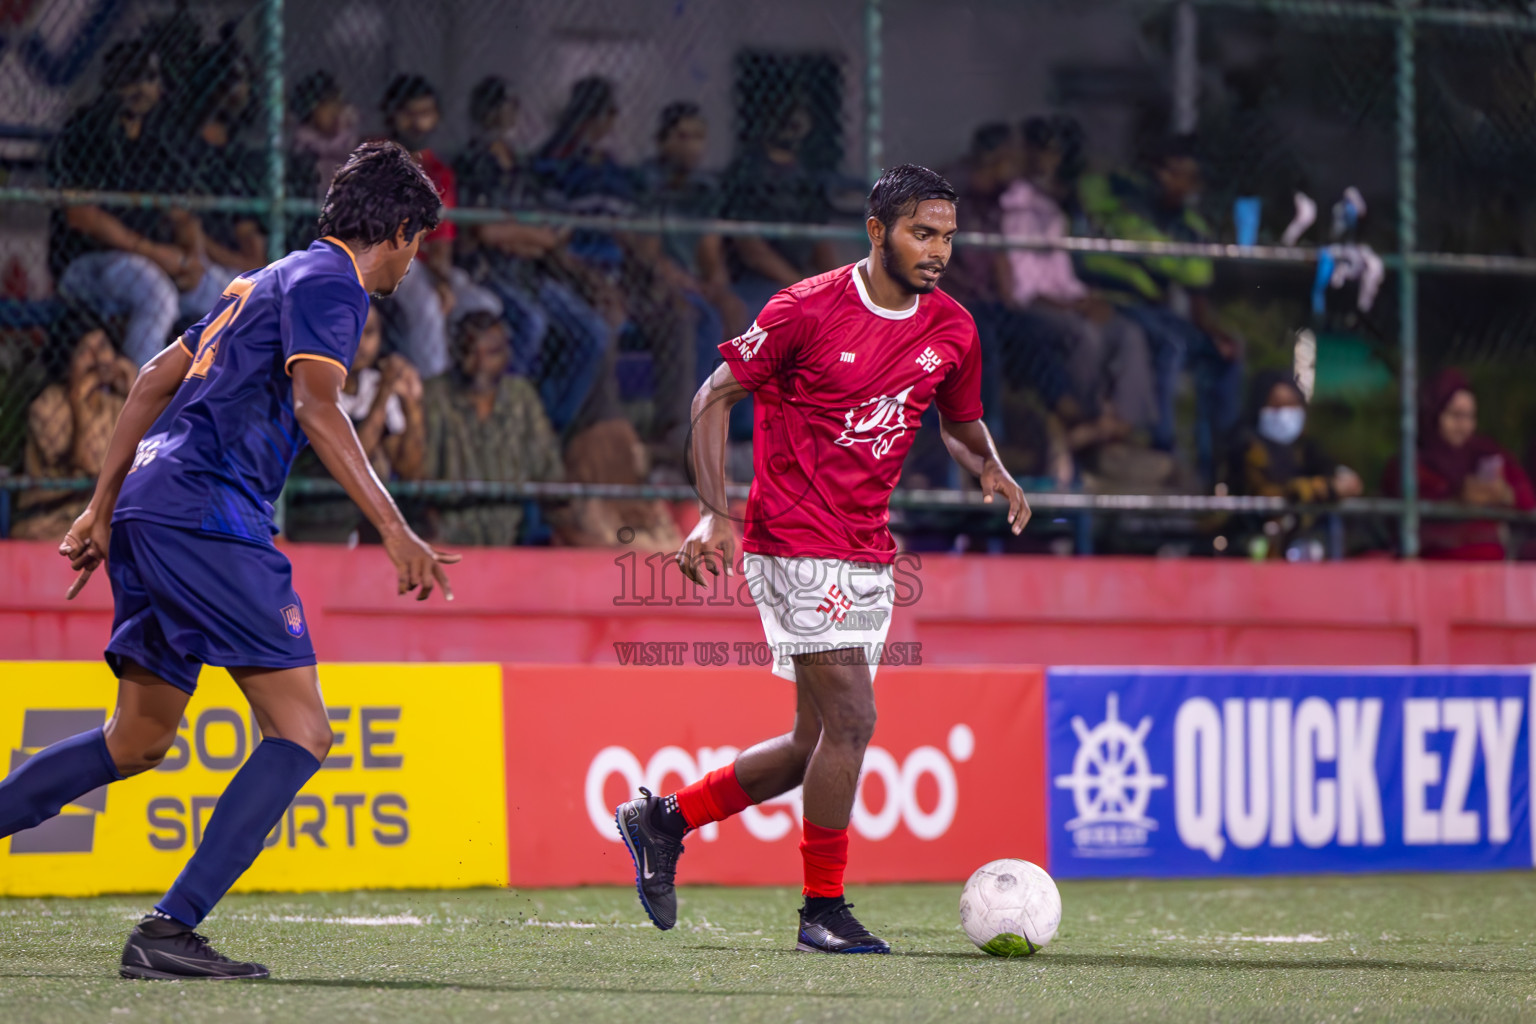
column 1187, row 773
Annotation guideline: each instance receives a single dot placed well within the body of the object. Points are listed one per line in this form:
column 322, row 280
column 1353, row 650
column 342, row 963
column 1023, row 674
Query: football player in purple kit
column 182, row 519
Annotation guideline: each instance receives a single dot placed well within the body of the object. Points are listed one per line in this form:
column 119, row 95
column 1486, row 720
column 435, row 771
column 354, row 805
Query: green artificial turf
column 1407, row 947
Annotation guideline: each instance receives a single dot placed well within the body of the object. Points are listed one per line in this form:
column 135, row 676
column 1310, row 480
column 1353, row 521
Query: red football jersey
column 839, row 385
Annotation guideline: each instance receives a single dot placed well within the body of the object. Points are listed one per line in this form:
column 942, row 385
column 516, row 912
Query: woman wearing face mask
column 1275, row 459
column 1457, row 464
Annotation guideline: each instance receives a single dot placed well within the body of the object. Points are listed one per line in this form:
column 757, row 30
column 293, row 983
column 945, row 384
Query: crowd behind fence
column 1208, row 247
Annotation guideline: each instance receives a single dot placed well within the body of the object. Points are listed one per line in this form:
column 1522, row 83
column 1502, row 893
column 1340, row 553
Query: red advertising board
column 955, row 776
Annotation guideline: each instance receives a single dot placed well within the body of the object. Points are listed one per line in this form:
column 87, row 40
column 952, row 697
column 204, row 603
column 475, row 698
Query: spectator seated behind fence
column 770, row 182
column 148, row 265
column 674, row 184
column 1106, row 353
column 1167, row 295
column 559, row 340
column 217, row 108
column 1274, row 458
column 324, row 134
column 383, row 398
column 1022, row 348
column 68, row 428
column 583, row 177
column 1457, row 464
column 485, row 424
column 419, row 310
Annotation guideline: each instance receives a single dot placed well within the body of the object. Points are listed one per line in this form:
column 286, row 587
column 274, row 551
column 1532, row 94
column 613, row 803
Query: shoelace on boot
column 841, row 915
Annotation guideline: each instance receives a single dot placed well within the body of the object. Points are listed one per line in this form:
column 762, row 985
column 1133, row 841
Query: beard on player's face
column 906, row 276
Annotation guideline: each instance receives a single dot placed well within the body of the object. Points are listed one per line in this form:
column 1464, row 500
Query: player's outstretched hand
column 418, row 565
column 85, row 545
column 711, row 544
column 996, row 480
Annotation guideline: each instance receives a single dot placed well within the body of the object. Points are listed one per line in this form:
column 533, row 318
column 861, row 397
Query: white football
column 1010, row 908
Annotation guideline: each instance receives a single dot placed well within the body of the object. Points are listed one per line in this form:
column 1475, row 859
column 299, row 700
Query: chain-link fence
column 1171, row 210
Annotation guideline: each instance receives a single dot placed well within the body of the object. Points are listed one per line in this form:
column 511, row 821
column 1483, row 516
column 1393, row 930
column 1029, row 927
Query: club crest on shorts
column 293, row 619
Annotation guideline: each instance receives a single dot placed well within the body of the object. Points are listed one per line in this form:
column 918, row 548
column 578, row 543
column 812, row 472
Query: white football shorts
column 820, row 604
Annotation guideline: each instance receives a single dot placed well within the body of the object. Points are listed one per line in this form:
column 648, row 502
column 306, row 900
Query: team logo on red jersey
column 878, row 422
column 749, row 343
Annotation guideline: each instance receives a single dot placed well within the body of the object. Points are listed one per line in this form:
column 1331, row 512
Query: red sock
column 715, row 797
column 825, row 851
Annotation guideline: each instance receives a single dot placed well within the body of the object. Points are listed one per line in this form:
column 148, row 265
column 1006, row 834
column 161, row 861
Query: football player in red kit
column 840, row 367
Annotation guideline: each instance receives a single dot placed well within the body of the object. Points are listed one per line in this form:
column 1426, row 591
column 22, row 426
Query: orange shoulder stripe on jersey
column 350, row 255
column 190, row 350
column 311, row 355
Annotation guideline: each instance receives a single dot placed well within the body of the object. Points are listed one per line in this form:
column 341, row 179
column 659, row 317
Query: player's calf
column 51, row 778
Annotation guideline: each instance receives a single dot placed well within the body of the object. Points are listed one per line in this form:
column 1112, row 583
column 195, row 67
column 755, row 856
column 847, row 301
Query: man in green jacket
column 1167, row 295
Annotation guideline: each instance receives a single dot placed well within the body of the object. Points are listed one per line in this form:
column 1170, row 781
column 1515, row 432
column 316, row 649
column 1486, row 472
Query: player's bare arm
column 317, row 388
column 714, row 536
column 85, row 545
column 972, row 447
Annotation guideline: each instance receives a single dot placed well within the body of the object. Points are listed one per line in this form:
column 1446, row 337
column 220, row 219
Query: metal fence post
column 272, row 80
column 1408, row 297
column 874, row 145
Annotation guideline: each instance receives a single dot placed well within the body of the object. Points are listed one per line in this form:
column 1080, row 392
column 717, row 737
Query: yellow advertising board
column 413, row 794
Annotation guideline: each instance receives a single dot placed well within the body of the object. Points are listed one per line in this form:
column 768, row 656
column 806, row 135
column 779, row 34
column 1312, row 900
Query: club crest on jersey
column 878, row 422
column 749, row 343
column 294, row 620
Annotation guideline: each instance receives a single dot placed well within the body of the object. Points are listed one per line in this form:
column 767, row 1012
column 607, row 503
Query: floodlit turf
column 1414, row 947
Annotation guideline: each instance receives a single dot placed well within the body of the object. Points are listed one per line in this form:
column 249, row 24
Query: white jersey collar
column 889, row 314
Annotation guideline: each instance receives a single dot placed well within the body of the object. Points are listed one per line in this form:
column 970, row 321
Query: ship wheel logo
column 1111, row 780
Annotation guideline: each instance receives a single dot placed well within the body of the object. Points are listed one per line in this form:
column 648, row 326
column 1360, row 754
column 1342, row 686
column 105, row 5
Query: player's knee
column 134, row 754
column 851, row 726
column 804, row 741
column 315, row 737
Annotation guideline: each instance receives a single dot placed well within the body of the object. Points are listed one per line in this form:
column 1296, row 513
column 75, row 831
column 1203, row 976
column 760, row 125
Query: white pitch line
column 367, row 921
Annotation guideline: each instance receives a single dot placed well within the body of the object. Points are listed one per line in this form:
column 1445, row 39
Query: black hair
column 1073, row 141
column 466, row 327
column 1175, row 147
column 674, row 114
column 216, row 71
column 990, row 138
column 402, row 90
column 74, row 322
column 375, row 191
column 1038, row 132
column 1263, row 383
column 902, row 188
column 129, row 63
column 489, row 94
column 591, row 98
column 309, row 92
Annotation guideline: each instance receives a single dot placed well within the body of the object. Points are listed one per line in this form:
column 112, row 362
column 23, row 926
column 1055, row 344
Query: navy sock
column 53, row 777
column 251, row 806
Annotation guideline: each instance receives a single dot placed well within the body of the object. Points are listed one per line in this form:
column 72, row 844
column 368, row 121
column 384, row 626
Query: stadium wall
column 447, row 774
column 585, row 606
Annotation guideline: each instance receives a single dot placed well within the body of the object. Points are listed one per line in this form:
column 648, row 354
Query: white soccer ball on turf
column 1010, row 908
